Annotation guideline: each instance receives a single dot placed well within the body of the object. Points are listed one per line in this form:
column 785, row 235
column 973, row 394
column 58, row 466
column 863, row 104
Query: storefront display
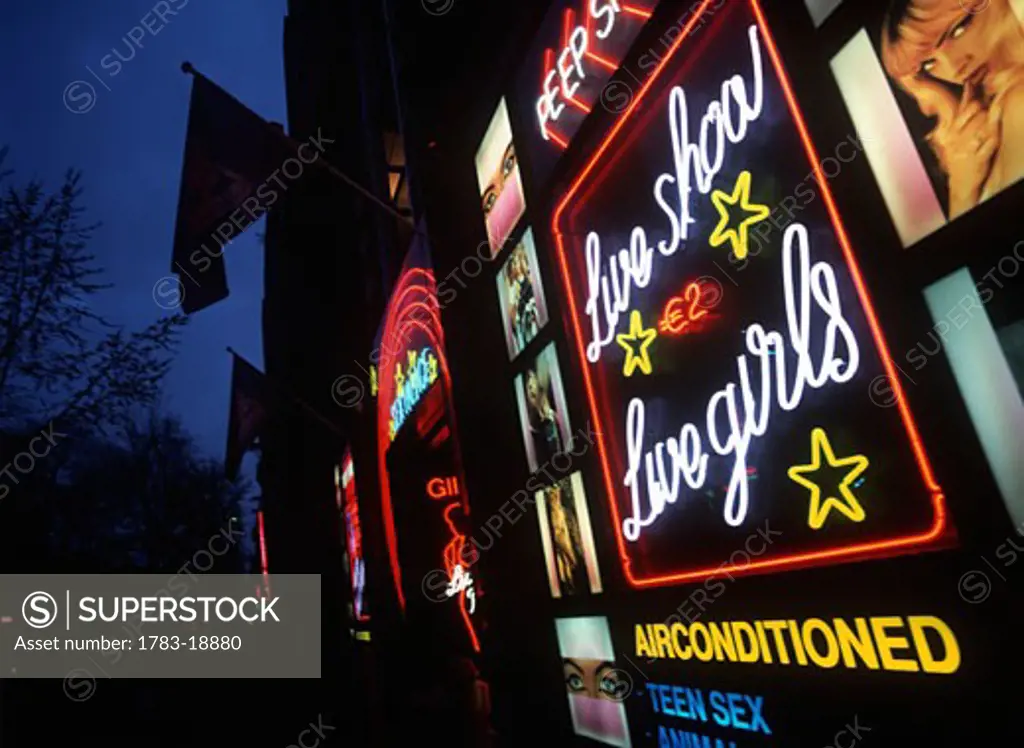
column 749, row 542
column 426, row 519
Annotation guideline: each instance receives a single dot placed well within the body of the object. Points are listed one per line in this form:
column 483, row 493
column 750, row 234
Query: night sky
column 129, row 145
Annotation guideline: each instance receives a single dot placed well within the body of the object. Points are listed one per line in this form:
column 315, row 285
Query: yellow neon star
column 399, row 380
column 636, row 358
column 849, row 505
column 740, row 196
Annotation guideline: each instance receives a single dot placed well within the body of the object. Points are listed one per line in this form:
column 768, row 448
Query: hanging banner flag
column 250, row 406
column 729, row 346
column 230, row 154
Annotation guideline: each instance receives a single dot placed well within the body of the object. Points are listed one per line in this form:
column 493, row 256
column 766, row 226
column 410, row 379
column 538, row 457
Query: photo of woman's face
column 497, row 184
column 501, row 186
column 532, row 388
column 936, row 92
column 969, row 46
column 595, row 687
column 503, row 202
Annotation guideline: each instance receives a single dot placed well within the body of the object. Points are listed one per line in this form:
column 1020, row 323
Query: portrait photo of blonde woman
column 567, row 538
column 936, row 91
column 962, row 62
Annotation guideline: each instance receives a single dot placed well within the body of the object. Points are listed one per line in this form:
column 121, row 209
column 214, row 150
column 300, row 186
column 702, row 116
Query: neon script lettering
column 653, row 476
column 442, row 488
column 461, row 580
column 569, row 69
column 610, row 280
column 411, row 385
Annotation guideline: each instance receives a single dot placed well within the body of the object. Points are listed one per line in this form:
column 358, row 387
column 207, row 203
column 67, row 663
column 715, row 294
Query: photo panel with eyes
column 935, row 89
column 500, row 180
column 596, row 687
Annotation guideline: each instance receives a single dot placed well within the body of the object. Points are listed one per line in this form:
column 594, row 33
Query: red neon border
column 797, row 560
column 264, row 569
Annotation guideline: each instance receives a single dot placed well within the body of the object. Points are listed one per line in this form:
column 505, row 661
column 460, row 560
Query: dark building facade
column 680, row 374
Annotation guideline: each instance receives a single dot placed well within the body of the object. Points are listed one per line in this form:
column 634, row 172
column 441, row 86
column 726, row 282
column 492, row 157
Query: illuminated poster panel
column 934, row 90
column 579, row 47
column 595, row 686
column 500, row 181
column 524, row 310
column 981, row 328
column 754, row 417
column 542, row 409
column 567, row 538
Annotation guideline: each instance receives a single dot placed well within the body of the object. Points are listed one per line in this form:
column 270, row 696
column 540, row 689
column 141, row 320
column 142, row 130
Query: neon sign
column 608, row 289
column 584, row 44
column 411, row 384
column 413, row 313
column 348, row 501
column 460, row 582
column 689, row 458
column 683, row 313
column 715, row 446
column 924, row 644
column 442, row 488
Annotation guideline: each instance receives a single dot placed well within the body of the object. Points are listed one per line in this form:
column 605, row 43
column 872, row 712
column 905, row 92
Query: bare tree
column 59, row 359
column 147, row 501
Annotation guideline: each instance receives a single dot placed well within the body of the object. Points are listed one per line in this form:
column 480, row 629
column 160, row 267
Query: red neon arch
column 413, row 306
column 939, row 525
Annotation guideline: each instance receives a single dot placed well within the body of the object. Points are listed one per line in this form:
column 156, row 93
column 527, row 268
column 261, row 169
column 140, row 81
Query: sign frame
column 939, row 530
